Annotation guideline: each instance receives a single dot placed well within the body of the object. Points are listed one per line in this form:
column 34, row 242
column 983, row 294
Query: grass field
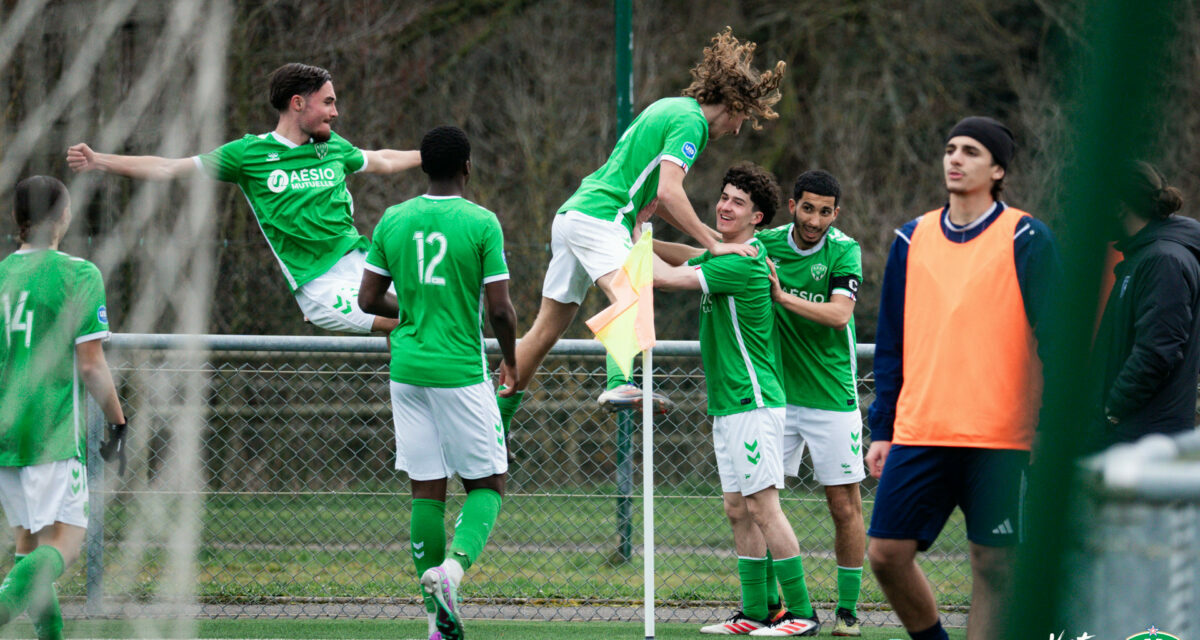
column 395, row 630
column 551, row 548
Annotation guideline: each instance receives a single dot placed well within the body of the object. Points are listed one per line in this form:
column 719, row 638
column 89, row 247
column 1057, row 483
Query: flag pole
column 648, row 479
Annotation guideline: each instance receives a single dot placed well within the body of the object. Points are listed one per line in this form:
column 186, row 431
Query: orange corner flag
column 626, row 327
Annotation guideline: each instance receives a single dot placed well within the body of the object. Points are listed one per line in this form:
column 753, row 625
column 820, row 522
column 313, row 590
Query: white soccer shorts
column 444, row 431
column 330, row 300
column 835, row 443
column 582, row 250
column 749, row 448
column 37, row 496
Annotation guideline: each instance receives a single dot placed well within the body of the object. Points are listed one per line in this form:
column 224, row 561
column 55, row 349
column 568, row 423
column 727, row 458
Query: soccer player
column 590, row 237
column 818, row 271
column 295, row 181
column 446, row 255
column 739, row 346
column 958, row 381
column 53, row 318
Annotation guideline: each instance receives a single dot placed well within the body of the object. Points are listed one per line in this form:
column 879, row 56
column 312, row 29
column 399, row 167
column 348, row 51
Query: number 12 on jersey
column 12, row 318
column 425, row 273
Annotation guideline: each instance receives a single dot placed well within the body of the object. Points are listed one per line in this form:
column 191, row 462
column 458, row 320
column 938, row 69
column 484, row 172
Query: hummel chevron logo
column 76, row 482
column 855, row 448
column 854, row 437
column 1005, row 528
column 343, row 305
column 750, row 446
column 754, row 458
column 418, row 554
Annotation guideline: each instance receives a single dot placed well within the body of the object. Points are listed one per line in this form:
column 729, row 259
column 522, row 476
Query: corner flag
column 626, row 327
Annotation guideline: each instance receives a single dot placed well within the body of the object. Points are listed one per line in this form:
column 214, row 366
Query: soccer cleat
column 445, row 596
column 735, row 625
column 845, row 623
column 790, row 624
column 629, row 397
column 437, row 635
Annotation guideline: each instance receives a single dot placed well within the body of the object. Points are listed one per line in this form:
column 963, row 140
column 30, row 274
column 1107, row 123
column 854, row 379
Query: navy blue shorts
column 921, row 486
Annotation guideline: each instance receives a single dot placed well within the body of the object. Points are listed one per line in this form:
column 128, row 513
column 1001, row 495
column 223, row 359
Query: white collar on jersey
column 426, row 195
column 806, row 252
column 283, row 141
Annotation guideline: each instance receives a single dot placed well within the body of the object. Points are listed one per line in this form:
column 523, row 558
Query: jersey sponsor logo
column 819, row 270
column 277, row 181
column 805, row 295
column 102, row 314
column 321, row 149
column 689, row 151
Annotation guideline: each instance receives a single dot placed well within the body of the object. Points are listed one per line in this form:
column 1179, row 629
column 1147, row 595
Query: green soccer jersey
column 440, row 252
column 672, row 129
column 818, row 362
column 49, row 302
column 299, row 197
column 738, row 341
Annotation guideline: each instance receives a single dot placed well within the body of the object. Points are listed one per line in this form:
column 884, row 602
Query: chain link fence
column 303, row 514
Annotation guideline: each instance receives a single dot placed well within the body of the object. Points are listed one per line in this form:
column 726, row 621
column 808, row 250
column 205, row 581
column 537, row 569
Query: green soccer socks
column 774, row 600
column 616, row 377
column 428, row 541
column 30, row 584
column 508, row 407
column 849, row 581
column 795, row 591
column 474, row 525
column 753, row 575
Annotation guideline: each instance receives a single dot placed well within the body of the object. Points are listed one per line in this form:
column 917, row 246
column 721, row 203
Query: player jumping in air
column 446, row 256
column 590, row 237
column 295, row 181
column 52, row 320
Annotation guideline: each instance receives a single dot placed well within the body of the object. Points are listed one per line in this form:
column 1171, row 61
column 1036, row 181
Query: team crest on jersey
column 102, row 314
column 689, row 151
column 321, row 148
column 819, row 270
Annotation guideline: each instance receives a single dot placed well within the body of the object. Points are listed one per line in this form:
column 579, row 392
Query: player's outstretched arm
column 503, row 318
column 391, row 160
column 373, row 296
column 676, row 209
column 835, row 314
column 674, row 253
column 681, row 277
column 97, row 379
column 81, row 158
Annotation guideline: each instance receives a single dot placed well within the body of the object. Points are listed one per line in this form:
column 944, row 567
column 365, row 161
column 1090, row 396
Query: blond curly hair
column 726, row 76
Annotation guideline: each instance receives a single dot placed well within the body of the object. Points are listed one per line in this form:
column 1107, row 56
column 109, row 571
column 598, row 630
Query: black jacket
column 1148, row 345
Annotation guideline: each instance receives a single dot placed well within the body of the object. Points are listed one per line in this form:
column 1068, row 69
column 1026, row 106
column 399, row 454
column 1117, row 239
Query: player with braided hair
column 591, row 234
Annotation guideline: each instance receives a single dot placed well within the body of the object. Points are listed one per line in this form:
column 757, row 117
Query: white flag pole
column 648, row 480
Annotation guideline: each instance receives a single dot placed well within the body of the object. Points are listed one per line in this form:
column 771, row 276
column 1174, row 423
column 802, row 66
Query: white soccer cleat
column 735, row 625
column 628, row 397
column 438, row 584
column 790, row 624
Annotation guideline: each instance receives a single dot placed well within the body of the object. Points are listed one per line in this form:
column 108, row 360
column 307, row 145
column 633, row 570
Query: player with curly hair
column 591, row 234
column 739, row 343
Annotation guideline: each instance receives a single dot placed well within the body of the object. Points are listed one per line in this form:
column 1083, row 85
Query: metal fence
column 303, row 514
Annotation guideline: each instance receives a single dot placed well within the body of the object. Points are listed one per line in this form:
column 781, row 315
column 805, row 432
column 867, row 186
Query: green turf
column 394, row 630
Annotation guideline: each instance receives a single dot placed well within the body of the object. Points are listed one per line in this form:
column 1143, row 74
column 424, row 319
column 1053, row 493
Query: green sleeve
column 684, row 141
column 728, row 273
column 89, row 296
column 225, row 162
column 377, row 255
column 849, row 263
column 352, row 156
column 494, row 263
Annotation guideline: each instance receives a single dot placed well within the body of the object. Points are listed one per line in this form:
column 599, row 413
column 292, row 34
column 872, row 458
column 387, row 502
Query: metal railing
column 303, row 513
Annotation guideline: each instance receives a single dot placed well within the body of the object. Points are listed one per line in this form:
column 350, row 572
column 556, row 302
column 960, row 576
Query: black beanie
column 997, row 138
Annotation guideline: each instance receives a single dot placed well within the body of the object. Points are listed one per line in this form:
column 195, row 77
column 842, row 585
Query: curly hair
column 760, row 184
column 445, row 151
column 726, row 76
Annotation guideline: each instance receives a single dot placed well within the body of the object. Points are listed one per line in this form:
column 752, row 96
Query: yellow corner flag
column 626, row 328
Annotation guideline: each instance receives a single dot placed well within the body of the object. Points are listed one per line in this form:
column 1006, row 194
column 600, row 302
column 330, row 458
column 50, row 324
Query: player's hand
column 776, row 289
column 877, row 456
column 113, row 445
column 507, row 380
column 723, row 248
column 81, row 158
